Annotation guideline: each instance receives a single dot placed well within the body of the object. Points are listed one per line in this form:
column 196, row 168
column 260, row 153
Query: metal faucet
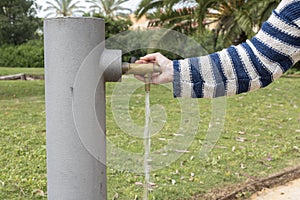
column 145, row 70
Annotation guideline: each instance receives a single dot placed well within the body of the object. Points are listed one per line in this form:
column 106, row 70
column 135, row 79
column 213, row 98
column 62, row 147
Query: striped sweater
column 248, row 66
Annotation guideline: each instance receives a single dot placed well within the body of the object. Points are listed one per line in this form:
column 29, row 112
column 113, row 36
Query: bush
column 29, row 55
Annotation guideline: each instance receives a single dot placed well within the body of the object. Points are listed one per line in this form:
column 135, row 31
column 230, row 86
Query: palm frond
column 147, row 5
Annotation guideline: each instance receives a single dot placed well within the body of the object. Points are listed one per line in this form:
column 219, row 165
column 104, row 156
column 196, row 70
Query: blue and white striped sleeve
column 248, row 66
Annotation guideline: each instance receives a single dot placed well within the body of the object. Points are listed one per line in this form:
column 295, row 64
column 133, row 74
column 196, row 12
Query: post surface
column 72, row 172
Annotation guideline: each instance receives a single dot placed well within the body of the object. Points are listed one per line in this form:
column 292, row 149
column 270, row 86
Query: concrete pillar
column 73, row 172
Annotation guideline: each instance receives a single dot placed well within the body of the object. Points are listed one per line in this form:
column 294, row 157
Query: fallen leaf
column 178, row 135
column 296, row 148
column 182, row 163
column 233, row 149
column 38, row 192
column 173, row 182
column 151, row 184
column 243, row 166
column 241, row 139
column 220, row 147
column 131, row 142
column 138, row 183
column 181, row 151
column 116, row 196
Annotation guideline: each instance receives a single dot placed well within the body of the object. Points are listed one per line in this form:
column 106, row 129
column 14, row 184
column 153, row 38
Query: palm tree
column 232, row 19
column 110, row 8
column 60, row 8
column 264, row 9
column 165, row 14
column 158, row 5
column 237, row 19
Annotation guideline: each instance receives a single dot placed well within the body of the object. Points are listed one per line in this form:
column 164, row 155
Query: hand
column 164, row 63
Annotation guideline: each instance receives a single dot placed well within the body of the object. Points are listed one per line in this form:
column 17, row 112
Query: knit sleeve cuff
column 183, row 84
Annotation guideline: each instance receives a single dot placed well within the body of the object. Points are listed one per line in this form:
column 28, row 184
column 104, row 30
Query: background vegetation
column 27, row 55
column 214, row 24
column 260, row 137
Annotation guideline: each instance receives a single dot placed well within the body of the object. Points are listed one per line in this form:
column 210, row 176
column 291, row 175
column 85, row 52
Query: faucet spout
column 145, row 70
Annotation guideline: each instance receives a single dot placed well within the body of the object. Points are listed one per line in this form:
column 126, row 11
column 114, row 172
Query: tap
column 145, row 70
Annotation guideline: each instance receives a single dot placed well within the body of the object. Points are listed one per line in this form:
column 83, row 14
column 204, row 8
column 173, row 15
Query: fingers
column 165, row 64
column 141, row 62
column 151, row 57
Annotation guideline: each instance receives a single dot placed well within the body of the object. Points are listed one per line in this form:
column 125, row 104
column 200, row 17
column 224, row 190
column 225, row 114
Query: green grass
column 22, row 143
column 30, row 71
column 268, row 119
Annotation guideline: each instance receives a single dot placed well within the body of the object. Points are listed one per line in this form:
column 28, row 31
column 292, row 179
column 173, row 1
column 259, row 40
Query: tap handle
column 140, row 69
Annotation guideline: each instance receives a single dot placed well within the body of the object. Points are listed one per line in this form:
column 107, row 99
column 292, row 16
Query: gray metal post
column 73, row 172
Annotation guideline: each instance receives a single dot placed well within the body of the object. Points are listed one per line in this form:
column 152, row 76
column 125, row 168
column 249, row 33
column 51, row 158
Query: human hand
column 164, row 63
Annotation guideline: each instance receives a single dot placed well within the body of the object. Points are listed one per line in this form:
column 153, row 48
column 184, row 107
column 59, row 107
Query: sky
column 132, row 4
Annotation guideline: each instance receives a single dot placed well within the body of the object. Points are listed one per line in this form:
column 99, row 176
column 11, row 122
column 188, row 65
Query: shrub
column 29, row 55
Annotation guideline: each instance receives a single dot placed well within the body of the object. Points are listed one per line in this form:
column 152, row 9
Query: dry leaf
column 138, row 183
column 241, row 139
column 151, row 184
column 116, row 196
column 243, row 166
column 178, row 135
column 38, row 192
column 181, row 151
column 233, row 149
column 173, row 182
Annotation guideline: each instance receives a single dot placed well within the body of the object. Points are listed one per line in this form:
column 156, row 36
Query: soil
column 289, row 191
column 280, row 186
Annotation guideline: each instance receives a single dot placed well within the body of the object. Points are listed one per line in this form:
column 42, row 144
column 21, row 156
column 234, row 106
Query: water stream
column 147, row 146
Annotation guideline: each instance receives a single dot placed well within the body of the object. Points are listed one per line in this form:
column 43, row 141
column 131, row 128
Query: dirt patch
column 242, row 190
column 287, row 191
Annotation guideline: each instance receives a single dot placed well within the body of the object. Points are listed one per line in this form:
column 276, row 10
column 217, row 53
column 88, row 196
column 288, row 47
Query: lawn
column 261, row 136
column 30, row 71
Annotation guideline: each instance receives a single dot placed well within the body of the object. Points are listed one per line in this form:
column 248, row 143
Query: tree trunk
column 14, row 77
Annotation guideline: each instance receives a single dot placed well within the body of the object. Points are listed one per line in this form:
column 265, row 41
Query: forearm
column 246, row 67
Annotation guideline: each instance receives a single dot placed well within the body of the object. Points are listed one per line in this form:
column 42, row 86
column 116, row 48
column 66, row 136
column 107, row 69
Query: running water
column 147, row 144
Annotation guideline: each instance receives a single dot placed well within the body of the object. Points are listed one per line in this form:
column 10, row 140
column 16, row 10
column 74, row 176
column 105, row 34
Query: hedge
column 28, row 55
